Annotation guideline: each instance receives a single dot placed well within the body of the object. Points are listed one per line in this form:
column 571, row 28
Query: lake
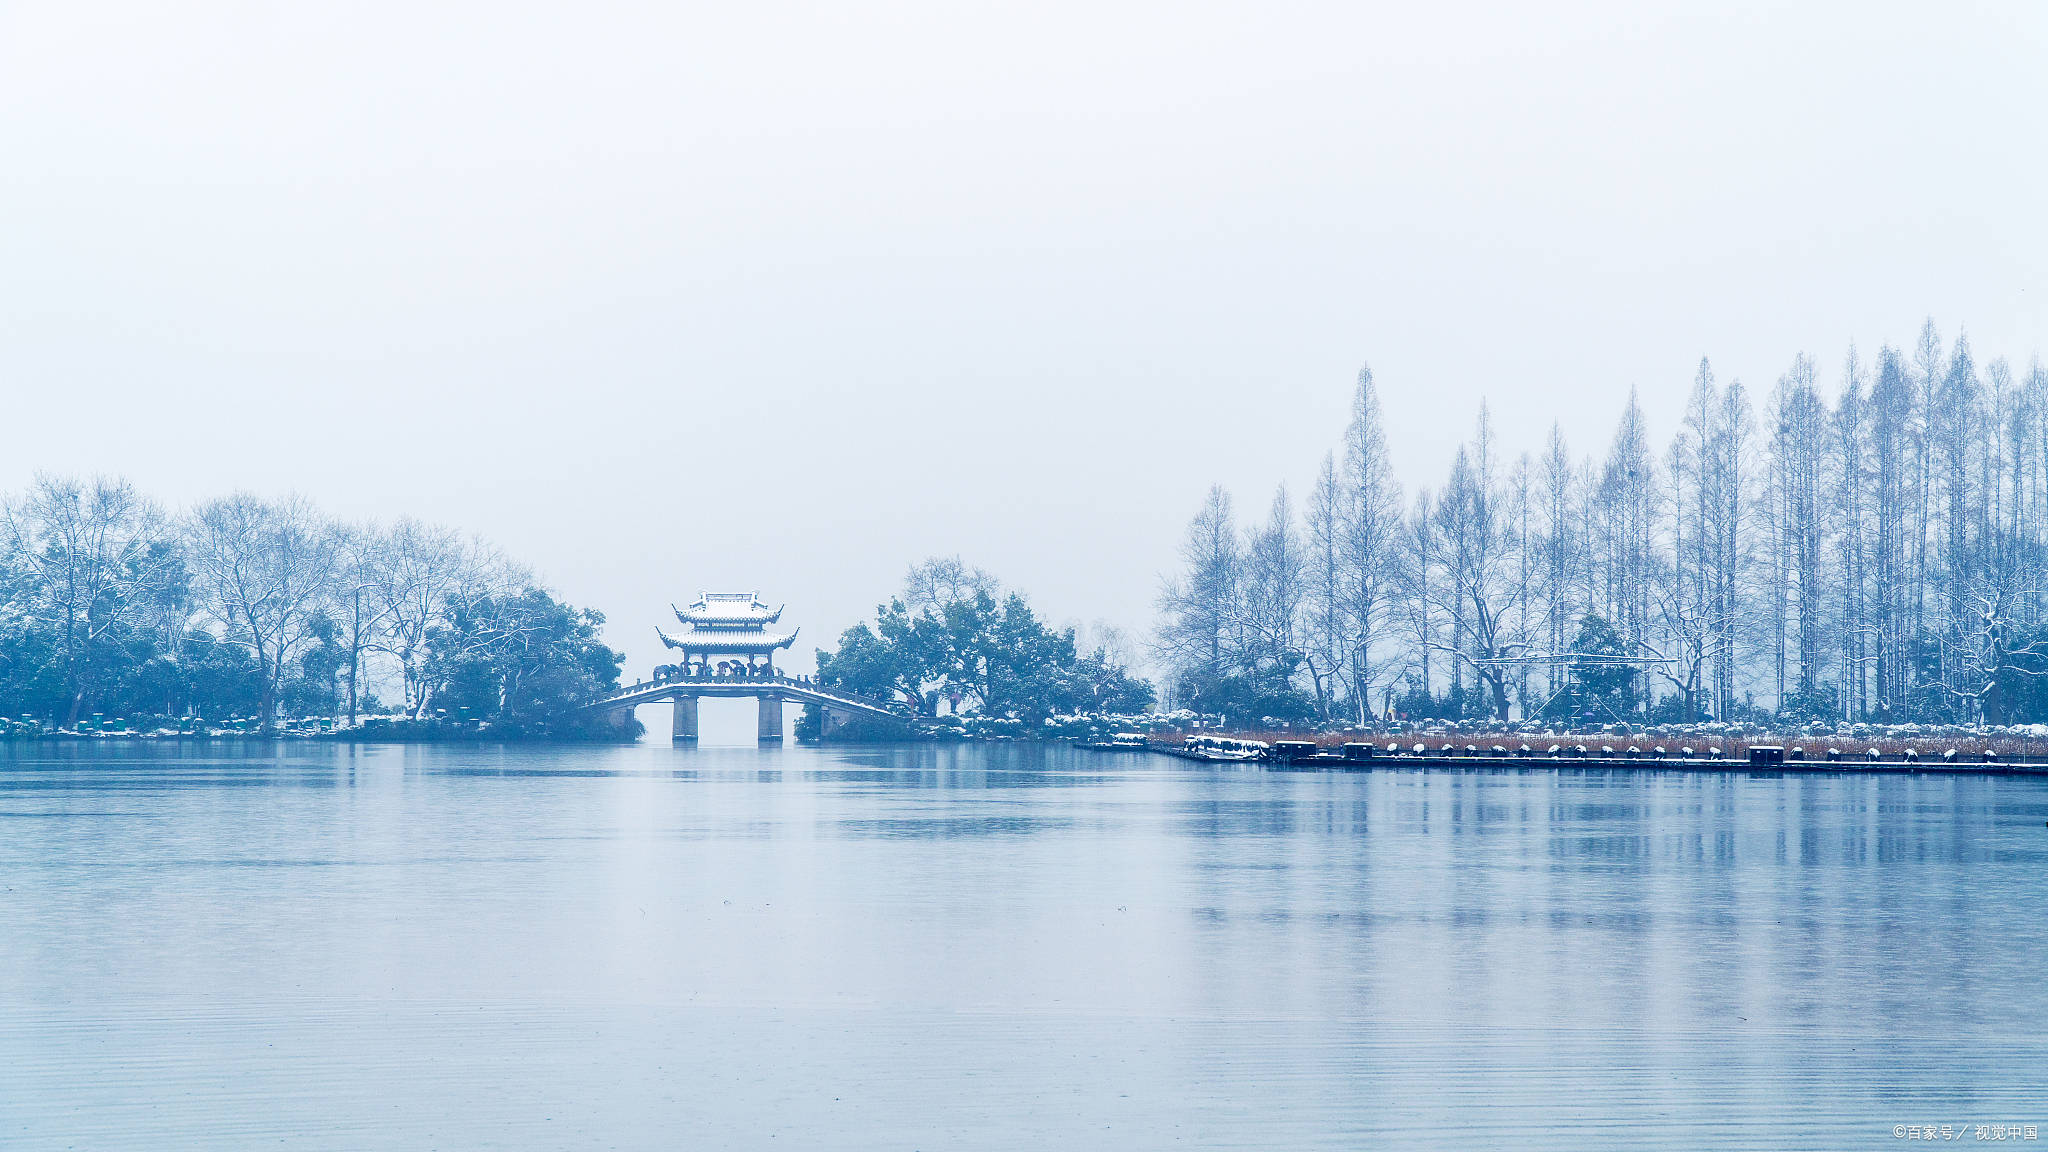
column 318, row 946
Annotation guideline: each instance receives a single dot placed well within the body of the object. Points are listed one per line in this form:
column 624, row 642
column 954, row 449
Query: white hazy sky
column 669, row 297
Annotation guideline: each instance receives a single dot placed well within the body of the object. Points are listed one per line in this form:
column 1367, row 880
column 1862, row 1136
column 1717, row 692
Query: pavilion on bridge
column 728, row 635
column 727, row 639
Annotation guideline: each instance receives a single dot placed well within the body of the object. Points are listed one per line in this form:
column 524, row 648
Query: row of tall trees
column 245, row 606
column 1874, row 547
column 956, row 635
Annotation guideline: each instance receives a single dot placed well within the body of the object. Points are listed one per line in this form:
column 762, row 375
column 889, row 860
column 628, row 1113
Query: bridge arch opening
column 722, row 722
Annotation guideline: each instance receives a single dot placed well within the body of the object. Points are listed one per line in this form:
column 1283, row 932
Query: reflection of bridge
column 770, row 689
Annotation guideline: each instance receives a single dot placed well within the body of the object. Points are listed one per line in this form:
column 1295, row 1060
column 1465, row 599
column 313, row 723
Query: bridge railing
column 800, row 684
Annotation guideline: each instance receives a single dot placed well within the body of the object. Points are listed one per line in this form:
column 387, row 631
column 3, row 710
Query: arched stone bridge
column 770, row 690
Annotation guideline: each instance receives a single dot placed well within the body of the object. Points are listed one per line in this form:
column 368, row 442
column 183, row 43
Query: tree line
column 251, row 607
column 1874, row 549
column 955, row 636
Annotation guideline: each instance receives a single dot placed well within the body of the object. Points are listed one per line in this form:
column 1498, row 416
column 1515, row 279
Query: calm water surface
column 322, row 947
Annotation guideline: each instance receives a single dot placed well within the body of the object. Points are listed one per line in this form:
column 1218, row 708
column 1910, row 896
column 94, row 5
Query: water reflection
column 1005, row 946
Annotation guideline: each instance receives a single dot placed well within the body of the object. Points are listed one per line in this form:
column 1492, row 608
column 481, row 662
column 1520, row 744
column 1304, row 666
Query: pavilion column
column 684, row 729
column 770, row 728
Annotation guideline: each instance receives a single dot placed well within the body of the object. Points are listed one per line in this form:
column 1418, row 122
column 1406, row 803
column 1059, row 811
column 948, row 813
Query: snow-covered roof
column 728, row 610
column 728, row 640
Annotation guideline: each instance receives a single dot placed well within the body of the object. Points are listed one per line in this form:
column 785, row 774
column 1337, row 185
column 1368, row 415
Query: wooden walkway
column 1594, row 760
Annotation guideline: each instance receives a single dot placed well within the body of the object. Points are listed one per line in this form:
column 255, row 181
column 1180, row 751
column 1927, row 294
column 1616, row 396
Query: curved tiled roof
column 733, row 641
column 728, row 610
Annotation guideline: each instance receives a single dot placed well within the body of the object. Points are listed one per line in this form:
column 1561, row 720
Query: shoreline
column 1693, row 765
column 1321, row 762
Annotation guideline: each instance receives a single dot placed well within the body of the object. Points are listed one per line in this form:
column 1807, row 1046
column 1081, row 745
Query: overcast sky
column 750, row 295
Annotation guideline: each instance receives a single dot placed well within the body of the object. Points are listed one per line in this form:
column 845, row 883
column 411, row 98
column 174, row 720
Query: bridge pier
column 769, row 729
column 684, row 728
